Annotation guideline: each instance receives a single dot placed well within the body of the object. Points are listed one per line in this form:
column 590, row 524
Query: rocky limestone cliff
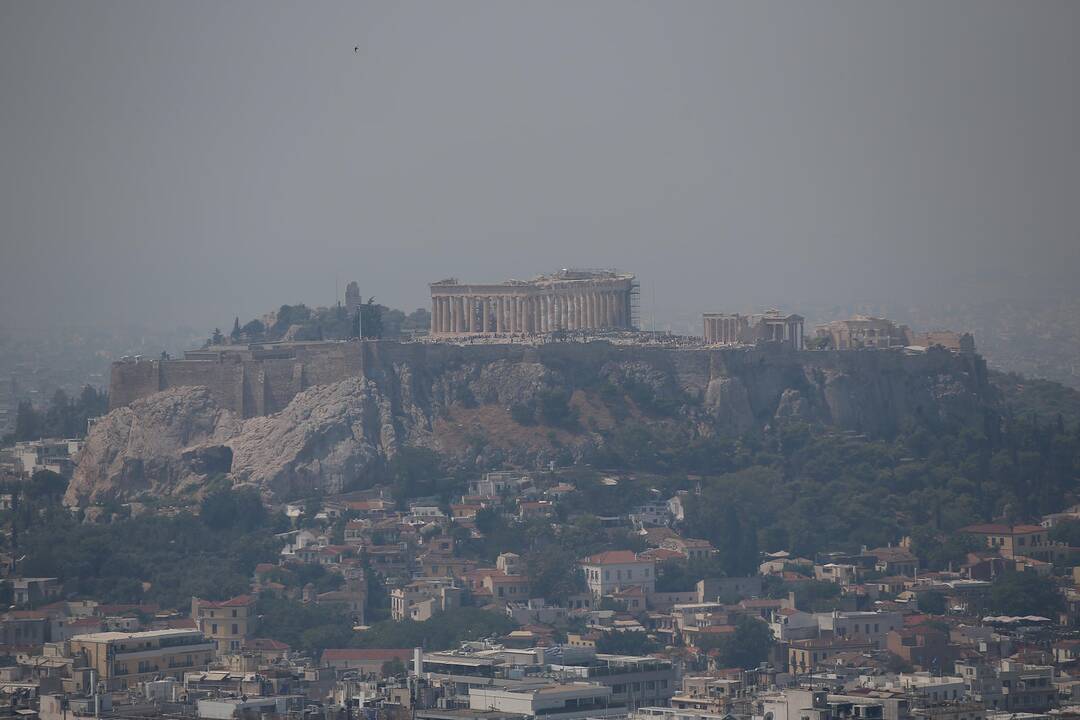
column 457, row 400
column 155, row 443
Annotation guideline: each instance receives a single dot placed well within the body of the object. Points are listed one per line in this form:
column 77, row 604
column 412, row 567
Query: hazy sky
column 192, row 161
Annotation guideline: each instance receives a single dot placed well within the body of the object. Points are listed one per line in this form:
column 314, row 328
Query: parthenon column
column 444, row 314
column 609, row 309
column 579, row 311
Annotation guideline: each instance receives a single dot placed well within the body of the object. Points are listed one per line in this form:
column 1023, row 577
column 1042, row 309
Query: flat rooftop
column 145, row 635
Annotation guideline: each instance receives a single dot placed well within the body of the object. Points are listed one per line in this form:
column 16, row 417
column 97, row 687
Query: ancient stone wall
column 852, row 384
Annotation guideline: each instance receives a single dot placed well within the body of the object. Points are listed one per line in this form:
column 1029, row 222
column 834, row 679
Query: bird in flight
column 356, row 49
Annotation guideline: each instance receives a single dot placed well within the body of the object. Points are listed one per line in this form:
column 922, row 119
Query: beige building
column 863, row 331
column 616, row 570
column 772, row 326
column 123, row 660
column 423, row 598
column 1014, row 541
column 567, row 300
column 228, row 623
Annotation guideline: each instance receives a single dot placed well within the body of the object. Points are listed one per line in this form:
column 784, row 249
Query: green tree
column 1018, row 593
column 615, row 642
column 553, row 571
column 372, row 319
column 747, row 647
column 46, row 484
column 28, row 422
column 393, row 668
column 226, row 508
column 932, row 603
column 1067, row 532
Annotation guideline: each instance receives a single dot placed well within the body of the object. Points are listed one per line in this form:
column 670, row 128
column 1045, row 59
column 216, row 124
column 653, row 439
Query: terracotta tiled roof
column 613, row 557
column 266, row 644
column 238, row 601
column 1000, row 529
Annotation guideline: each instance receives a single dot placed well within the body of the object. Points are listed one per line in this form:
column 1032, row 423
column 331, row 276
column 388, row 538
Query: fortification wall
column 129, row 381
column 255, row 385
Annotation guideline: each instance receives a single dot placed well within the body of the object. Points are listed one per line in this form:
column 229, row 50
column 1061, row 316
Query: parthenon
column 566, row 300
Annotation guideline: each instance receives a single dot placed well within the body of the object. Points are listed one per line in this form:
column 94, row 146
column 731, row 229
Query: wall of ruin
column 262, row 385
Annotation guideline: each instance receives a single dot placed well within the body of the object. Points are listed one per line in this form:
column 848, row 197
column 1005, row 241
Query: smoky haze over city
column 540, row 360
column 174, row 163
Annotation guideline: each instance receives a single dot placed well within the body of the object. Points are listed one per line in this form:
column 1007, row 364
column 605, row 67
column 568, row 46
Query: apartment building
column 123, row 660
column 228, row 623
column 614, row 570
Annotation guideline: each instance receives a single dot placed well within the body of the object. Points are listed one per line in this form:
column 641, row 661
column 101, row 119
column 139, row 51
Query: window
column 235, row 629
column 234, row 613
column 213, row 629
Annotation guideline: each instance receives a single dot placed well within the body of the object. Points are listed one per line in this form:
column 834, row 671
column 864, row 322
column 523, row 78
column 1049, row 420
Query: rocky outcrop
column 327, row 436
column 164, row 444
column 457, row 400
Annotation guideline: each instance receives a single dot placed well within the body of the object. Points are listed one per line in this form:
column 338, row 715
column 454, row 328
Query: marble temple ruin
column 569, row 300
column 736, row 329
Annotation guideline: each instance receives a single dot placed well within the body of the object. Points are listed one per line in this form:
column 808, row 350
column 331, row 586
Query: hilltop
column 490, row 406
